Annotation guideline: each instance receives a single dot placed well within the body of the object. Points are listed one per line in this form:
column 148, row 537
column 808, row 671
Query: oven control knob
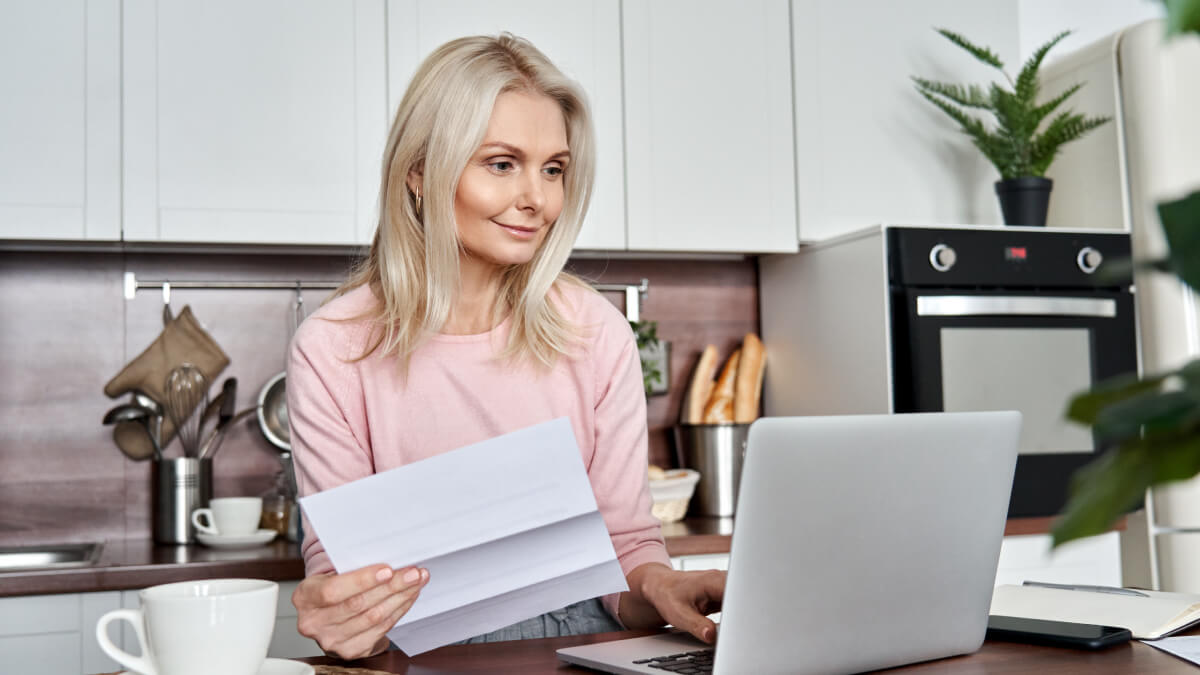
column 942, row 257
column 1089, row 259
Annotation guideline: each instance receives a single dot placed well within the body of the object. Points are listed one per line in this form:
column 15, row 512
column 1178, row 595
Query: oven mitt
column 181, row 341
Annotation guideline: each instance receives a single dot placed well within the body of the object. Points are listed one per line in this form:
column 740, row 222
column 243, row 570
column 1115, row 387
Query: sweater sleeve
column 327, row 449
column 618, row 468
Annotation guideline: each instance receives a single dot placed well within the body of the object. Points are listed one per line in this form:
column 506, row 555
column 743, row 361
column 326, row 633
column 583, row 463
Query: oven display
column 1015, row 253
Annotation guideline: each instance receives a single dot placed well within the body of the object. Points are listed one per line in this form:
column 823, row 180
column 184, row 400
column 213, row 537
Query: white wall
column 1089, row 20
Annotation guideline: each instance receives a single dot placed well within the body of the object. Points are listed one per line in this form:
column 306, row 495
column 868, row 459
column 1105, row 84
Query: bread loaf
column 701, row 387
column 720, row 403
column 748, row 387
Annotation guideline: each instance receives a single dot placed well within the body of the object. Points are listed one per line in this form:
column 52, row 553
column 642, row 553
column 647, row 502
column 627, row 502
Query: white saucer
column 271, row 667
column 236, row 541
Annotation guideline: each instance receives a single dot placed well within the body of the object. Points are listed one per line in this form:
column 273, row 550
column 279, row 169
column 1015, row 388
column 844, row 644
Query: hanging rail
column 634, row 293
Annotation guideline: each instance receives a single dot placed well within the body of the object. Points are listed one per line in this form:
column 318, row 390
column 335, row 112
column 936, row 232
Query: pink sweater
column 352, row 419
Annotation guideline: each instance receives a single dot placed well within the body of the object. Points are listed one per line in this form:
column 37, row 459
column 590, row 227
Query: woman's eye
column 502, row 165
column 553, row 170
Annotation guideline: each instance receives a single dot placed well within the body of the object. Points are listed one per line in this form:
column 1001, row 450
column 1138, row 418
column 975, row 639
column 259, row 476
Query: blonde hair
column 413, row 265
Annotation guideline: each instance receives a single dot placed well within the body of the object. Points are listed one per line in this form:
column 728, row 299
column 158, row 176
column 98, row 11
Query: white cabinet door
column 60, row 127
column 582, row 38
column 869, row 149
column 55, row 634
column 286, row 641
column 253, row 122
column 708, row 126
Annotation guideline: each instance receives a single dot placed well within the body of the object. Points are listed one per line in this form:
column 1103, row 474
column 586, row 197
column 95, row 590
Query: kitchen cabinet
column 688, row 563
column 257, row 122
column 582, row 38
column 708, row 126
column 60, row 126
column 54, row 634
column 868, row 148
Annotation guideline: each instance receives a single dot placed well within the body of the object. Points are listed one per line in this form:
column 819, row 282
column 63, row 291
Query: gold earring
column 418, row 203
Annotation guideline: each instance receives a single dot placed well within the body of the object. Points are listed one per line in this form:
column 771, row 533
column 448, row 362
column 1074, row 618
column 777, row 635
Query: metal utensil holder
column 179, row 485
column 716, row 451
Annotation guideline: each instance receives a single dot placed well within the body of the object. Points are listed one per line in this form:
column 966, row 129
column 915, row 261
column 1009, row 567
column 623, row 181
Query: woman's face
column 511, row 190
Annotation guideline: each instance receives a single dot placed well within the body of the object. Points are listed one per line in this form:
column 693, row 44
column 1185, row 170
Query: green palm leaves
column 1148, row 426
column 1015, row 145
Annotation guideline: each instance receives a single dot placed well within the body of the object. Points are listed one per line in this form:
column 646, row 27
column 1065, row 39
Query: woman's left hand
column 682, row 599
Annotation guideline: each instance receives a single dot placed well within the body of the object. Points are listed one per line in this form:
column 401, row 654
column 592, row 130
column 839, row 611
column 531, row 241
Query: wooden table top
column 535, row 657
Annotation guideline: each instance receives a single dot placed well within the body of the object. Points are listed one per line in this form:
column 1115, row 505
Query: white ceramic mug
column 198, row 628
column 229, row 516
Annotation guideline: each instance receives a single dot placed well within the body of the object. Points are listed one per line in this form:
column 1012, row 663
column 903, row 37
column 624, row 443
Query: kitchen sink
column 48, row 556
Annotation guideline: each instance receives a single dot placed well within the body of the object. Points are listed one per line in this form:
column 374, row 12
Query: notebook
column 861, row 542
column 1149, row 615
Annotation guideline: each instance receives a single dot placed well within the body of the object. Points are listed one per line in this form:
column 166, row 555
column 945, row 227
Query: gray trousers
column 581, row 618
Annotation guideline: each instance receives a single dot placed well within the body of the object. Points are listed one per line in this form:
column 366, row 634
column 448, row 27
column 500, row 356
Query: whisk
column 187, row 398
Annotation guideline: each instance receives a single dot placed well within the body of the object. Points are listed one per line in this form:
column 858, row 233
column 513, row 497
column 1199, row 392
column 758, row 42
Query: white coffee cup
column 229, row 516
column 198, row 628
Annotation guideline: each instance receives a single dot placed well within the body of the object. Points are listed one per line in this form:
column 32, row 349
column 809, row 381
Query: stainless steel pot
column 272, row 412
column 273, row 422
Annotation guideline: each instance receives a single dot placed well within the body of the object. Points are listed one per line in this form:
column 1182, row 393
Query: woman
column 460, row 326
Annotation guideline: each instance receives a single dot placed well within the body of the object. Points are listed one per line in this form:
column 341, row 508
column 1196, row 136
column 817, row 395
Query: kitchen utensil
column 187, row 398
column 213, row 442
column 147, row 419
column 126, row 412
column 218, row 409
column 273, row 421
column 272, row 413
column 211, row 410
column 180, row 485
column 156, row 417
column 166, row 294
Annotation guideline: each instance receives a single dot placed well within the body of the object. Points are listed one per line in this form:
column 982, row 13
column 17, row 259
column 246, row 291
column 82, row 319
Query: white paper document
column 1186, row 647
column 508, row 529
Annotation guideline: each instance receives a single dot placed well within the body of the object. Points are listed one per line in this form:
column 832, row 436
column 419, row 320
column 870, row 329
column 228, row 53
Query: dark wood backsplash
column 67, row 330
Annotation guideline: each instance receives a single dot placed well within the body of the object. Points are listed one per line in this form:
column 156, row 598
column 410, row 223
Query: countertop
column 138, row 563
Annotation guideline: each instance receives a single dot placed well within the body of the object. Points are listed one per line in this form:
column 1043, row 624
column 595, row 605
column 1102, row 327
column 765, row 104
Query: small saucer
column 236, row 541
column 271, row 667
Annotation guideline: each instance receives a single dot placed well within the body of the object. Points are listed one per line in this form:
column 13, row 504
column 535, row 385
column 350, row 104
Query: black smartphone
column 1055, row 633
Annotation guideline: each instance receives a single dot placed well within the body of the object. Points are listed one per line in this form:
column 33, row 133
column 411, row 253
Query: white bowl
column 672, row 494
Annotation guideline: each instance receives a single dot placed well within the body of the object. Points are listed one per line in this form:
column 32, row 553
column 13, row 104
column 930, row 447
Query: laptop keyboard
column 685, row 663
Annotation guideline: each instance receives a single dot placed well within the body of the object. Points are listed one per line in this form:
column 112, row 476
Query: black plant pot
column 1025, row 200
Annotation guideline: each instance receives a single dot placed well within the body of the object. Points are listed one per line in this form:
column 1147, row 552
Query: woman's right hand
column 350, row 614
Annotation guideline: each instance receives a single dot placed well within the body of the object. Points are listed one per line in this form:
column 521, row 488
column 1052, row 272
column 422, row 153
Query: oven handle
column 1013, row 305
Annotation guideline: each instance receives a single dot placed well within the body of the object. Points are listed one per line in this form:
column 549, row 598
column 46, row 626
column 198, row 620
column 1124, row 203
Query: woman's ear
column 414, row 181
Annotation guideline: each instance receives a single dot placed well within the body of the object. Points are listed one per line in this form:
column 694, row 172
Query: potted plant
column 1149, row 426
column 654, row 354
column 1015, row 146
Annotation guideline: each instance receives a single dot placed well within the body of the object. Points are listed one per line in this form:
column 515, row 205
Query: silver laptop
column 861, row 542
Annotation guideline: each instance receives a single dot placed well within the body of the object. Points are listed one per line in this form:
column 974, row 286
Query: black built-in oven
column 1012, row 319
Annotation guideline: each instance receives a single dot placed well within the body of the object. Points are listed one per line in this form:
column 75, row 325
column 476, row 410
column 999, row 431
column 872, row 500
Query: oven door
column 957, row 351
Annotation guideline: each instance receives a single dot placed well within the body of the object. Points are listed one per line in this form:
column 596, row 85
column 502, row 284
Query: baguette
column 701, row 387
column 720, row 403
column 748, row 388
